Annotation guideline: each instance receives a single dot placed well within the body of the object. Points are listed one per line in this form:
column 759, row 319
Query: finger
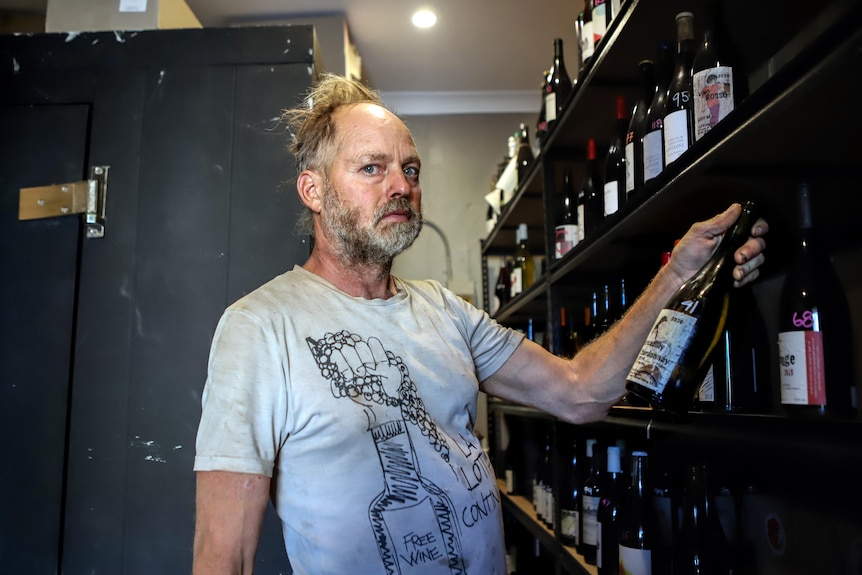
column 742, row 272
column 750, row 250
column 748, row 278
column 718, row 224
column 759, row 228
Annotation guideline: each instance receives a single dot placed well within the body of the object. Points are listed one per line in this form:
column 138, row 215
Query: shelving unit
column 800, row 121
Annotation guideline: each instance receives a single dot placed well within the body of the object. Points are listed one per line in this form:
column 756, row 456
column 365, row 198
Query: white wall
column 460, row 153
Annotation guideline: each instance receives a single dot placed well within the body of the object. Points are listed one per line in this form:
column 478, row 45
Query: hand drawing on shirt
column 375, row 378
column 413, row 521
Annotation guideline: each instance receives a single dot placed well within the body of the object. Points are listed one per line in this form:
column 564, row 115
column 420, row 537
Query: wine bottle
column 570, row 492
column 680, row 107
column 654, row 135
column 590, row 470
column 814, row 339
column 566, row 231
column 676, row 353
column 542, row 122
column 588, row 46
column 523, row 272
column 503, row 288
column 740, row 368
column 559, row 87
column 549, row 503
column 702, row 548
column 604, row 313
column 607, row 553
column 594, row 209
column 717, row 80
column 590, row 501
column 600, row 20
column 523, row 154
column 615, row 162
column 637, row 129
column 637, row 528
column 579, row 35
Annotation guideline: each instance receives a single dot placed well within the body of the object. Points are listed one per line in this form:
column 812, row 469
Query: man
column 349, row 395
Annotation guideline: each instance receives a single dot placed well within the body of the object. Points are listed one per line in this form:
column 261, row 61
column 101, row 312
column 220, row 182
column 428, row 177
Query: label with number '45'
column 800, row 355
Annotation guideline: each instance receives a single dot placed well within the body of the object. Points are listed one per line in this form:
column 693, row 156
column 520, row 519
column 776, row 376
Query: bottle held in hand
column 676, row 354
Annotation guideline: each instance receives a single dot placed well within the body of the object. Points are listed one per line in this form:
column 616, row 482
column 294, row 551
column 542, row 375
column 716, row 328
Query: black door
column 39, row 266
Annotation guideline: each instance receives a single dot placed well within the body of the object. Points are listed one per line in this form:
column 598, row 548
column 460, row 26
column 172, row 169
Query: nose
column 399, row 185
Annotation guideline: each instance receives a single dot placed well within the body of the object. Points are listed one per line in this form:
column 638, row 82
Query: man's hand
column 701, row 240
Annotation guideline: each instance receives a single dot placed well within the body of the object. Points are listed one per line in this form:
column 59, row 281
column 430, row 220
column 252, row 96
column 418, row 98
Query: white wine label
column 565, row 238
column 706, row 391
column 630, row 163
column 675, row 135
column 510, row 481
column 590, row 535
column 517, row 278
column 662, row 349
column 588, row 45
column 612, row 203
column 569, row 524
column 635, row 561
column 713, row 98
column 801, row 367
column 653, row 160
column 550, row 106
column 600, row 17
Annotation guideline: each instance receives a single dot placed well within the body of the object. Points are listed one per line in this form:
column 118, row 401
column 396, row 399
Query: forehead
column 368, row 128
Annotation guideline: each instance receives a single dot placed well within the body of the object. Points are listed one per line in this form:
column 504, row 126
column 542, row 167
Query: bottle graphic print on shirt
column 413, row 519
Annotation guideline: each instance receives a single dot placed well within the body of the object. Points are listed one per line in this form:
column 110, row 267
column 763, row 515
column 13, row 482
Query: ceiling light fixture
column 424, row 18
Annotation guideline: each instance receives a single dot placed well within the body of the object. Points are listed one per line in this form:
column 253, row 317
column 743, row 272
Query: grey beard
column 370, row 246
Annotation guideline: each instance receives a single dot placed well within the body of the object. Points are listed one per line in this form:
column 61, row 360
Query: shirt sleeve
column 244, row 402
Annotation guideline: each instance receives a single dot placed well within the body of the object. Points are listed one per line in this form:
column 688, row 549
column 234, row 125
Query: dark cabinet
column 105, row 340
column 794, row 481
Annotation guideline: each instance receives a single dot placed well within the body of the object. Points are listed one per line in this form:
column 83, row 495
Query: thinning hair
column 311, row 123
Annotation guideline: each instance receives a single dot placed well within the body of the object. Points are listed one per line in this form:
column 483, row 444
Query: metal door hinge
column 86, row 197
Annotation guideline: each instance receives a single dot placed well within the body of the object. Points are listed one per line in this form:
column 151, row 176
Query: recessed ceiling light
column 424, row 18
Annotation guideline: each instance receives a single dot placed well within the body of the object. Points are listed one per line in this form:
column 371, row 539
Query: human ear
column 310, row 188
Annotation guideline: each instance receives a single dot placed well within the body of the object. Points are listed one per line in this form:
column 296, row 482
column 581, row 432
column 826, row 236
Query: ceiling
column 482, row 49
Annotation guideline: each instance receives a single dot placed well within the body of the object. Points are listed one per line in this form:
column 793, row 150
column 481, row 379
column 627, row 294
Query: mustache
column 396, row 206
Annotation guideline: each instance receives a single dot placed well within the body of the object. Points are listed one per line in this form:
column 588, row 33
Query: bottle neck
column 396, row 456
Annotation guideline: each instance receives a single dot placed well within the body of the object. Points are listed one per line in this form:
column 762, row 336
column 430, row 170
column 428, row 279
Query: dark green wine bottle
column 676, row 354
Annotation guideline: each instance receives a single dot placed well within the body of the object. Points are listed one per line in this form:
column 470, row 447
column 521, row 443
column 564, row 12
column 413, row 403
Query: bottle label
column 517, row 279
column 661, row 352
column 612, row 203
column 713, row 98
column 565, row 238
column 635, row 561
column 800, row 355
column 510, row 481
column 630, row 163
column 591, row 522
column 706, row 391
column 588, row 45
column 600, row 18
column 550, row 106
column 675, row 135
column 569, row 524
column 653, row 157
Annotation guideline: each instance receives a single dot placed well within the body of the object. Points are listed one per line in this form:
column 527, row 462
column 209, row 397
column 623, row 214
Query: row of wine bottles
column 615, row 515
column 709, row 348
column 707, row 315
column 617, row 501
column 684, row 92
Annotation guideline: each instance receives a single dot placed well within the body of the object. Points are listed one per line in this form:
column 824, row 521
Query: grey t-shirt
column 362, row 411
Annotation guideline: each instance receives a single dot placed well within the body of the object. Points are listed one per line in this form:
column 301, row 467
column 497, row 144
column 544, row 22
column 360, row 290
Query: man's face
column 371, row 209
